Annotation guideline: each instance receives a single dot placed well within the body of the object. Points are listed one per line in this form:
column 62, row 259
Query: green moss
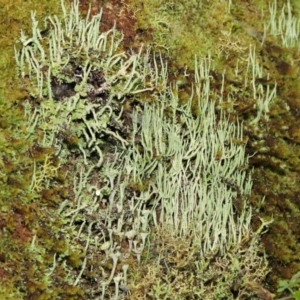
column 24, row 216
column 173, row 269
column 180, row 29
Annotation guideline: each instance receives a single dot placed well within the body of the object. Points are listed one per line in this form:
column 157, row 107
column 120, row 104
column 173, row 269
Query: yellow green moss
column 181, row 30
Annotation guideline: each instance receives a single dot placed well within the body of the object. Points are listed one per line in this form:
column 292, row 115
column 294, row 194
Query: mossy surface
column 180, row 30
column 28, row 234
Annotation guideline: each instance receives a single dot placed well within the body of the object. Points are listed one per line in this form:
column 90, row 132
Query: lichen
column 78, row 81
column 274, row 143
column 31, row 214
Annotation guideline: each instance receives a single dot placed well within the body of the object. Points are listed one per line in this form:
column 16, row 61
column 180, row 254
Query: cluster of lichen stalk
column 178, row 168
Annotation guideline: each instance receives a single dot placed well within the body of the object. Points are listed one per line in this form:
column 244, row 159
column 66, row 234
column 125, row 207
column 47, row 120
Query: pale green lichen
column 178, row 169
column 284, row 24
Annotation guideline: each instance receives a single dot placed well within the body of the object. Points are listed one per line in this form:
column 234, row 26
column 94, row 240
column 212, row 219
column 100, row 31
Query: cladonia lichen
column 175, row 166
